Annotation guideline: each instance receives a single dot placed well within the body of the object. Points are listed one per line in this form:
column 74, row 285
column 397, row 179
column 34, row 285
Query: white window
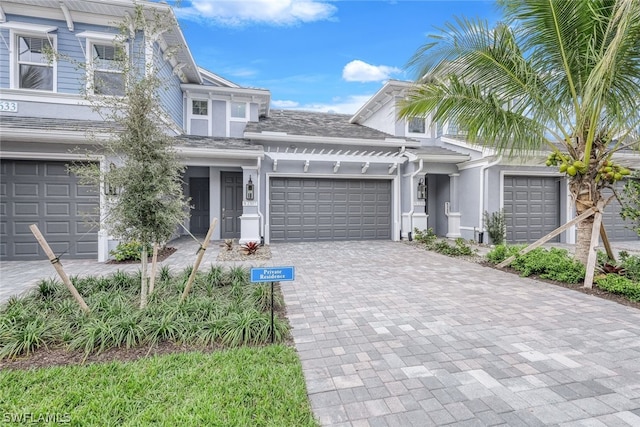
column 199, row 107
column 416, row 125
column 35, row 62
column 239, row 110
column 105, row 70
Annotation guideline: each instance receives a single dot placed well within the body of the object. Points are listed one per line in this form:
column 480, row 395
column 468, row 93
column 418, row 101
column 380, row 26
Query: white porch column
column 452, row 208
column 250, row 220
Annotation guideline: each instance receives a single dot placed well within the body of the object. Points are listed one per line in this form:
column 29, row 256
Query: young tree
column 146, row 203
column 558, row 75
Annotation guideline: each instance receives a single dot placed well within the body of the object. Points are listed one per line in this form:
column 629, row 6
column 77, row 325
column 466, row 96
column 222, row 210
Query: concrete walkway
column 392, row 335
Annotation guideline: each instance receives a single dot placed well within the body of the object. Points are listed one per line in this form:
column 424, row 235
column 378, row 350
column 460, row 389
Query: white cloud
column 348, row 105
column 241, row 12
column 360, row 71
column 284, row 103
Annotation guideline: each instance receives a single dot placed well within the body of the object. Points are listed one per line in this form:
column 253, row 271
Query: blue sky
column 315, row 55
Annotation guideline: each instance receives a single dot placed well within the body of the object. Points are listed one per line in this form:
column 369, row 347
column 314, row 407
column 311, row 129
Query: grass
column 257, row 386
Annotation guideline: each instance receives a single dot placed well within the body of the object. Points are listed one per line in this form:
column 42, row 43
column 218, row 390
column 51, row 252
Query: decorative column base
column 249, row 228
column 454, row 225
column 103, row 246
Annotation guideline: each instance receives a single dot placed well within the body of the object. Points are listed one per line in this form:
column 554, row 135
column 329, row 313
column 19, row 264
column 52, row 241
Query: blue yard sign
column 272, row 274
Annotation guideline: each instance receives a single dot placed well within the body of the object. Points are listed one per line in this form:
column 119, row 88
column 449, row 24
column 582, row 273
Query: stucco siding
column 219, row 117
column 383, row 120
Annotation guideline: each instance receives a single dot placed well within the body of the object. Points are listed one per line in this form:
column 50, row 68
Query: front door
column 199, row 193
column 231, row 204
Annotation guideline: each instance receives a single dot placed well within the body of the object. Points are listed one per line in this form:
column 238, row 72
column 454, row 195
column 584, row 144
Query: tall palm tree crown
column 558, row 75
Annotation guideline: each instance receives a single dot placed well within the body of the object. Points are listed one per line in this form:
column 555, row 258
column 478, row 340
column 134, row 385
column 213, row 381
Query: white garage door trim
column 395, row 196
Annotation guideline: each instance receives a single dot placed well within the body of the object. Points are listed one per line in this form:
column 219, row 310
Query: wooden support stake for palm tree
column 55, row 261
column 154, row 268
column 606, row 243
column 543, row 240
column 593, row 255
column 201, row 251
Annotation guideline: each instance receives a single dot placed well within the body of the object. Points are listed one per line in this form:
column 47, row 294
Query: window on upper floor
column 35, row 66
column 105, row 71
column 199, row 107
column 416, row 125
column 239, row 110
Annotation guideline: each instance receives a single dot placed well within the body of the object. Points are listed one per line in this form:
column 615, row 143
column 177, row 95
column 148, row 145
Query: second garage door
column 617, row 228
column 329, row 209
column 531, row 207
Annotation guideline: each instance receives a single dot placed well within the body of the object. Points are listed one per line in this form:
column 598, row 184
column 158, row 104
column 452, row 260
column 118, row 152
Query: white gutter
column 219, row 154
column 413, row 175
column 482, row 192
column 258, row 181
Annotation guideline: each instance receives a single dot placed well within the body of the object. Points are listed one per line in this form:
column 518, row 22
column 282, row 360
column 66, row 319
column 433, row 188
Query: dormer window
column 35, row 67
column 239, row 110
column 199, row 107
column 416, row 125
column 106, row 76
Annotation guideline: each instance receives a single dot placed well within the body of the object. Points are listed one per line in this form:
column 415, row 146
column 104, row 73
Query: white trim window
column 238, row 110
column 417, row 125
column 105, row 74
column 199, row 107
column 35, row 66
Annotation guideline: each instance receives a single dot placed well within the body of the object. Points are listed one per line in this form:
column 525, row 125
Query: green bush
column 619, row 285
column 427, row 237
column 553, row 264
column 631, row 265
column 502, row 252
column 496, row 225
column 129, row 251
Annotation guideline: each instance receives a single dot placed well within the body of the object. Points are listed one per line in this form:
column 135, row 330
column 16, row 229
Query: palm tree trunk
column 584, row 199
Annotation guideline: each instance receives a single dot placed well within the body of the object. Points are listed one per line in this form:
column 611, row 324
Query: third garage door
column 312, row 209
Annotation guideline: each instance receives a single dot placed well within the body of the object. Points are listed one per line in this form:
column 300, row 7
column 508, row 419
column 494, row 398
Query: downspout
column 412, row 193
column 482, row 191
column 258, row 183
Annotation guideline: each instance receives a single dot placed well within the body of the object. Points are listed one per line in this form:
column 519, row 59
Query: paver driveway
column 390, row 334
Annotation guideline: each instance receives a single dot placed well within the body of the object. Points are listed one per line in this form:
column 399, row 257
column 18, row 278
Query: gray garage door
column 617, row 228
column 531, row 207
column 329, row 209
column 43, row 193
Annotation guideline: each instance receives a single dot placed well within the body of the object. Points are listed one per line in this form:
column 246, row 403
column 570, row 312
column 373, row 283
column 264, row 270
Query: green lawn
column 246, row 386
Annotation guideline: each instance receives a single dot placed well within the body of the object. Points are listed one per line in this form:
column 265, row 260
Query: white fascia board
column 476, row 163
column 343, row 158
column 443, row 158
column 485, row 151
column 27, row 27
column 229, row 91
column 65, row 136
column 302, row 139
column 29, row 155
column 94, row 35
column 390, row 88
column 219, row 154
column 214, row 77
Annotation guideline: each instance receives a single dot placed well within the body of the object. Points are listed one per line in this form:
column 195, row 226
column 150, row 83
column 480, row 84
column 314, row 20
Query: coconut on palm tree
column 555, row 75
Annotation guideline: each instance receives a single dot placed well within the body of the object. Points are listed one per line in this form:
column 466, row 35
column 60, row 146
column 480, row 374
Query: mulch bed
column 163, row 254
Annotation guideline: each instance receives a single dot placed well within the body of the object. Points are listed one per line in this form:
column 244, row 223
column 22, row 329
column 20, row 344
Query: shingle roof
column 306, row 123
column 216, row 143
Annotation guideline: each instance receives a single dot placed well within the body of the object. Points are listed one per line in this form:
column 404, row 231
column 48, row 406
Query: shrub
column 496, row 225
column 250, row 248
column 427, row 236
column 631, row 265
column 502, row 252
column 553, row 264
column 129, row 251
column 459, row 248
column 619, row 285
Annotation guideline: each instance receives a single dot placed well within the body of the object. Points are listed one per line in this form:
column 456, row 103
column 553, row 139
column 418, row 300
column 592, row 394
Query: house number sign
column 9, row 106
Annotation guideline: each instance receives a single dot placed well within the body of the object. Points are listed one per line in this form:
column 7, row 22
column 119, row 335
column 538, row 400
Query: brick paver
column 392, row 335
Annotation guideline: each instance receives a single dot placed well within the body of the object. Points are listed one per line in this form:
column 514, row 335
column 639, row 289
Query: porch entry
column 199, row 193
column 230, row 204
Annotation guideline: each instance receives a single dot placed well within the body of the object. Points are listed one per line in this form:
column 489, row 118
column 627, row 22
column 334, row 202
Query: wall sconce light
column 109, row 189
column 250, row 192
column 422, row 190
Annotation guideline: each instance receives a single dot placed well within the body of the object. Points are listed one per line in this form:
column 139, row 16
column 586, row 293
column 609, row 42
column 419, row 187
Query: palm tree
column 559, row 75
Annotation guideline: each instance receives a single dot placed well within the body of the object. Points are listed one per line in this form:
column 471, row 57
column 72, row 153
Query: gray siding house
column 316, row 176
